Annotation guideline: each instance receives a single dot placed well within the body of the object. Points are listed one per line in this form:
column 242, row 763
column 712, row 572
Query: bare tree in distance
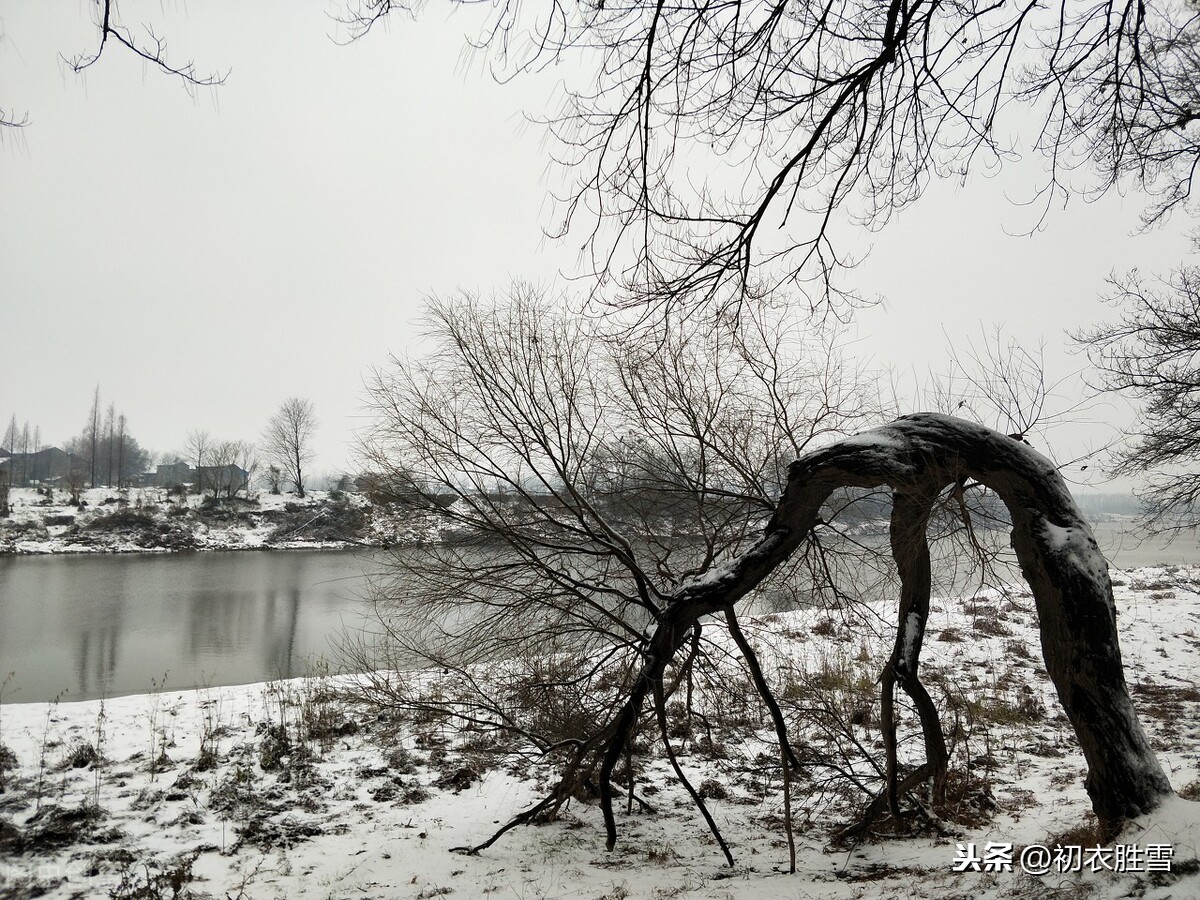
column 275, row 479
column 109, row 442
column 246, row 458
column 199, row 446
column 1151, row 353
column 287, row 439
column 229, row 469
column 25, row 451
column 91, row 436
column 75, row 480
column 120, row 450
column 7, row 476
column 119, row 455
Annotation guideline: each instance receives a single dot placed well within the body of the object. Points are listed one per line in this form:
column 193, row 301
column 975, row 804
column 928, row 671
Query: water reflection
column 282, row 642
column 90, row 626
column 220, row 621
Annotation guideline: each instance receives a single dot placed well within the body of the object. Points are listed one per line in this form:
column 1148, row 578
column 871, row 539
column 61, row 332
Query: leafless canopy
column 567, row 483
column 601, row 512
column 287, row 439
column 834, row 110
column 821, row 114
column 1152, row 354
column 592, row 510
column 599, row 473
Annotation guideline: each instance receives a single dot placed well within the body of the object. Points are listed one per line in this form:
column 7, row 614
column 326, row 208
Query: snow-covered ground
column 285, row 790
column 141, row 520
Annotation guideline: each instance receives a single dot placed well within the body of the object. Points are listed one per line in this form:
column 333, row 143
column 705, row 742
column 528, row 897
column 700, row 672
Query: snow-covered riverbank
column 148, row 520
column 286, row 790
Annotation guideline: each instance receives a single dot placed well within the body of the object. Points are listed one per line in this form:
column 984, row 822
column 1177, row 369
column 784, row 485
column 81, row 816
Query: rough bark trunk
column 1056, row 551
column 911, row 510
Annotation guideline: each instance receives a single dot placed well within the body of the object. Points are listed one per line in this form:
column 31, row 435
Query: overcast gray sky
column 203, row 259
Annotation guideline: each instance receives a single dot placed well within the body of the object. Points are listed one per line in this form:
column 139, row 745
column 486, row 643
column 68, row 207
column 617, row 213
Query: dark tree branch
column 829, row 113
column 153, row 52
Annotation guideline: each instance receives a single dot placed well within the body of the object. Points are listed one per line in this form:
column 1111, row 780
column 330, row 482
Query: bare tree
column 229, row 469
column 75, row 480
column 120, row 450
column 91, row 436
column 117, row 454
column 246, row 458
column 37, row 446
column 1151, row 352
column 287, row 439
column 215, row 477
column 275, row 479
column 199, row 446
column 614, row 503
column 110, row 426
column 577, row 481
column 25, row 451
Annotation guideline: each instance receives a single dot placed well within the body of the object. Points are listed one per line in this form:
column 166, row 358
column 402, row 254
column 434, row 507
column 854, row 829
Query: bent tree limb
column 911, row 510
column 910, row 548
column 918, row 456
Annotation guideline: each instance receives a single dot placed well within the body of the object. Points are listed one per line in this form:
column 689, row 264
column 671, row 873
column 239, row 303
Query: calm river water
column 85, row 626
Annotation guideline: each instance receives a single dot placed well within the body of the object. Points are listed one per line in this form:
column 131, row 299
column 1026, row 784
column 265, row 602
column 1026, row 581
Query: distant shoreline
column 147, row 520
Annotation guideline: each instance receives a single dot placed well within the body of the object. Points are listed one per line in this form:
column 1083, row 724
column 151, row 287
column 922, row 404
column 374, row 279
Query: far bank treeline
column 365, row 511
column 106, row 454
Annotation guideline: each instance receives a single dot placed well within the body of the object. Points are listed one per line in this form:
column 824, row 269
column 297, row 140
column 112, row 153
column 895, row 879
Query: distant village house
column 49, row 464
column 226, row 480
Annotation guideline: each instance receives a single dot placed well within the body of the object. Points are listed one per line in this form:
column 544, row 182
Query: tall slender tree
column 199, row 446
column 109, row 441
column 287, row 439
column 120, row 450
column 92, row 434
column 38, row 472
column 10, row 435
column 25, row 440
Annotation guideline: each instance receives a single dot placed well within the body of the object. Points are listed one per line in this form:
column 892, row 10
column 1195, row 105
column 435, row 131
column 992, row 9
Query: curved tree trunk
column 1055, row 548
column 918, row 456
